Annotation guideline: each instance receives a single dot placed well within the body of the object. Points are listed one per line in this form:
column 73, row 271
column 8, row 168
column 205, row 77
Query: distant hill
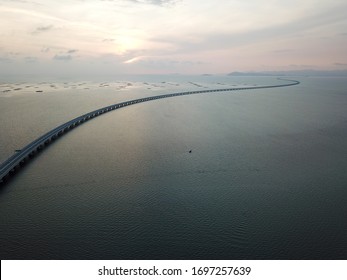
column 250, row 74
column 292, row 73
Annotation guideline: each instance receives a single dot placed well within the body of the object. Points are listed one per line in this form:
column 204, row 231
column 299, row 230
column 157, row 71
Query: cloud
column 108, row 40
column 283, row 51
column 9, row 57
column 340, row 64
column 149, row 2
column 133, row 60
column 20, row 1
column 155, row 2
column 44, row 28
column 13, row 53
column 110, row 58
column 215, row 40
column 165, row 33
column 45, row 50
column 65, row 56
column 307, row 66
column 5, row 60
column 62, row 57
column 31, row 59
column 162, row 2
column 163, row 63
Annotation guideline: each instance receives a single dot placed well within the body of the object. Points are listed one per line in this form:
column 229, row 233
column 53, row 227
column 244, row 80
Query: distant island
column 307, row 72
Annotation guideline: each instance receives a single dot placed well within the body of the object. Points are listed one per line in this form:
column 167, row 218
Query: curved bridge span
column 12, row 164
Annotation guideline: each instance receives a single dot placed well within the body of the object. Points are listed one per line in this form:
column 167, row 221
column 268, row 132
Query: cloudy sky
column 171, row 36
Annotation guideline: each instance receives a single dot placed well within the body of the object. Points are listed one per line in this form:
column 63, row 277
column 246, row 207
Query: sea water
column 253, row 174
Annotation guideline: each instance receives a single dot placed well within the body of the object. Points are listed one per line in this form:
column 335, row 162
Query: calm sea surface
column 266, row 178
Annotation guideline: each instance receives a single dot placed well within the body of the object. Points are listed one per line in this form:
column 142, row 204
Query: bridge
column 9, row 167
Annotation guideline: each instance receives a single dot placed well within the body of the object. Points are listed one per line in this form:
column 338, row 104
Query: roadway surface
column 10, row 166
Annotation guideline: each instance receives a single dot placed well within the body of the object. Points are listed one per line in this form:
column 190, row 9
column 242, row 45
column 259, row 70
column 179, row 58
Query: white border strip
column 90, row 270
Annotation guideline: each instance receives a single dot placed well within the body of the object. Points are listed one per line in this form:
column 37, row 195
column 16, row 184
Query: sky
column 99, row 37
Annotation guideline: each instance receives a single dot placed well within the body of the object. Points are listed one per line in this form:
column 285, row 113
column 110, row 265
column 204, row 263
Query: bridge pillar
column 13, row 170
column 4, row 178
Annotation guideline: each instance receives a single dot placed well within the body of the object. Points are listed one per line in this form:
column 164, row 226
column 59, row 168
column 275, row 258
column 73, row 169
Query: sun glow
column 134, row 59
column 127, row 43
